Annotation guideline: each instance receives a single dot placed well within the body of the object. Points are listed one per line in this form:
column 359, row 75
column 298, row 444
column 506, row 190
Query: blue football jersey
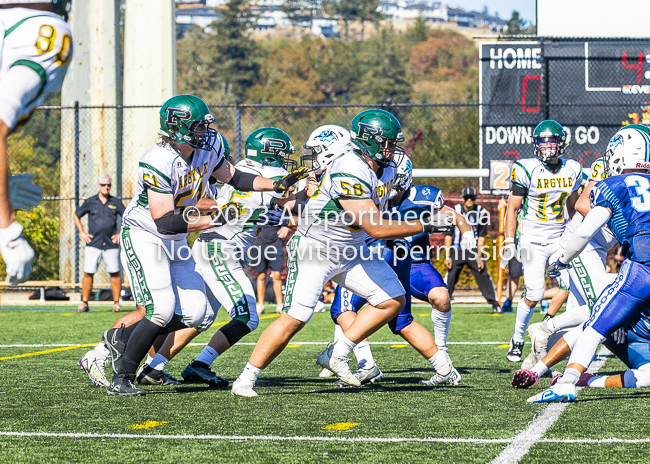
column 420, row 198
column 628, row 197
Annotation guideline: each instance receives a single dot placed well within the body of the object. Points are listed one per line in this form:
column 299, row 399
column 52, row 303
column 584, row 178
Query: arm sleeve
column 171, row 224
column 242, row 181
column 591, row 224
column 82, row 210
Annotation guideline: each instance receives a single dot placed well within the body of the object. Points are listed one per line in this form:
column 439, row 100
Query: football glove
column 508, row 252
column 274, row 217
column 434, row 222
column 16, row 253
column 620, row 336
column 468, row 241
column 227, row 214
column 284, row 184
column 24, row 194
column 555, row 268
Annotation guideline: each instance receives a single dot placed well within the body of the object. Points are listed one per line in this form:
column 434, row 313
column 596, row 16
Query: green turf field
column 298, row 416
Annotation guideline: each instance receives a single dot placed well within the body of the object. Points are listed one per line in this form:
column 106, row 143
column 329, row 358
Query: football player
column 544, row 186
column 622, row 201
column 330, row 245
column 172, row 176
column 219, row 252
column 34, row 55
column 419, row 278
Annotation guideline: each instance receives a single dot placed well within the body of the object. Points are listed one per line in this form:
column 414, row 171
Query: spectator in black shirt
column 102, row 240
column 478, row 218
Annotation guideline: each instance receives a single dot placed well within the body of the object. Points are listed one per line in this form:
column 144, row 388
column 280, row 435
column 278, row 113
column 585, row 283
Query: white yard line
column 523, row 442
column 396, row 342
column 313, row 438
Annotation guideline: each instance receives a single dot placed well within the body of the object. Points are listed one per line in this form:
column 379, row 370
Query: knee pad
column 234, row 331
column 534, row 295
column 161, row 314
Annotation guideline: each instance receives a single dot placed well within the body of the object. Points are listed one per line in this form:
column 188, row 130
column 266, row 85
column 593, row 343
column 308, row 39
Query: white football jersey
column 348, row 176
column 163, row 170
column 39, row 40
column 251, row 205
column 544, row 207
column 598, row 170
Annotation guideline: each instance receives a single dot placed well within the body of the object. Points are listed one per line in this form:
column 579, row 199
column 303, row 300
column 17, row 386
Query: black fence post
column 238, row 129
column 76, row 189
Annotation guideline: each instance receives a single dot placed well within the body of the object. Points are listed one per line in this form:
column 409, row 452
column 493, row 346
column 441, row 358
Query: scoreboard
column 592, row 88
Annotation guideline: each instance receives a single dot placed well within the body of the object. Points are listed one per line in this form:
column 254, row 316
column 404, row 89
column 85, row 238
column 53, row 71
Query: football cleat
column 199, row 372
column 83, row 307
column 117, row 308
column 149, row 376
column 543, row 306
column 539, row 339
column 122, row 385
column 507, row 307
column 111, row 339
column 524, row 378
column 583, row 381
column 337, row 365
column 514, row 353
column 560, row 393
column 453, row 378
column 94, row 368
column 326, row 373
column 242, row 388
column 365, row 375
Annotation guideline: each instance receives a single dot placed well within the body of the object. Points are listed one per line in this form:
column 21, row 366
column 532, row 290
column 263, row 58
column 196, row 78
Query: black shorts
column 263, row 258
column 515, row 269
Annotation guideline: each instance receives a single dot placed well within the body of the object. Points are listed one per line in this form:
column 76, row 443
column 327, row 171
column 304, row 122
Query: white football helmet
column 628, row 149
column 403, row 177
column 326, row 143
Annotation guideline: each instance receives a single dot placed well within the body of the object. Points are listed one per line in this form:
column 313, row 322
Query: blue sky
column 526, row 8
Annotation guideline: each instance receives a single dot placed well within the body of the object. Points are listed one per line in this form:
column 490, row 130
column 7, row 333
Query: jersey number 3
column 641, row 201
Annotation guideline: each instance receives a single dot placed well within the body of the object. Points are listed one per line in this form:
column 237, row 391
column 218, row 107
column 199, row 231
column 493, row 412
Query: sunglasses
column 104, row 185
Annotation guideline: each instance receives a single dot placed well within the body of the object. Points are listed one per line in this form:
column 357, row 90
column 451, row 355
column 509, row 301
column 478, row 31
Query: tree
column 515, row 24
column 353, row 10
column 419, row 32
column 299, row 12
column 485, row 11
column 237, row 57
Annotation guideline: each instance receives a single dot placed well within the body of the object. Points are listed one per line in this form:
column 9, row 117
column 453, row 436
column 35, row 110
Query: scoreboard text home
column 590, row 87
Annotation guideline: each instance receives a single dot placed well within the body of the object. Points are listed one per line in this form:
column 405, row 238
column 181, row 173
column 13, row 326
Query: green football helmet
column 271, row 146
column 378, row 132
column 180, row 118
column 549, row 131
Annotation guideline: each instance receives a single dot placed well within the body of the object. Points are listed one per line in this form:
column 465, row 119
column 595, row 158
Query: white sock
column 440, row 326
column 524, row 313
column 364, row 355
column 159, row 362
column 568, row 319
column 338, row 331
column 540, row 368
column 250, row 373
column 207, row 355
column 101, row 351
column 571, row 375
column 597, row 382
column 441, row 362
column 585, row 348
column 343, row 347
column 149, row 360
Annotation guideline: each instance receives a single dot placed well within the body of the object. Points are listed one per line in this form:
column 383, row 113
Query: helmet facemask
column 403, row 177
column 548, row 149
column 201, row 135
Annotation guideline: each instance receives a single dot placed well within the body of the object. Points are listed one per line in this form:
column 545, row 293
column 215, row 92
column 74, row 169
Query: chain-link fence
column 68, row 148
